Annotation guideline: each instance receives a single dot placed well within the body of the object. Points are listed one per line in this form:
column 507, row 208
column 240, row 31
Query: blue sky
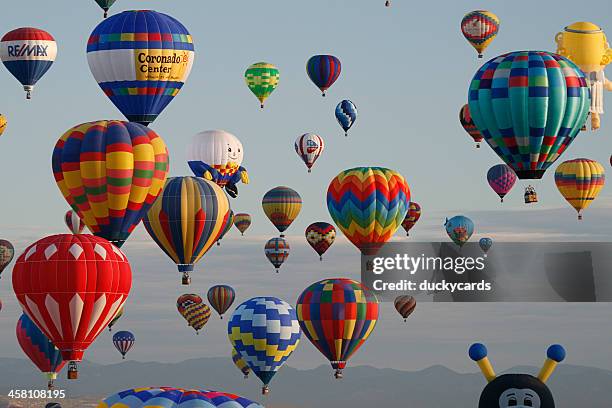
column 407, row 69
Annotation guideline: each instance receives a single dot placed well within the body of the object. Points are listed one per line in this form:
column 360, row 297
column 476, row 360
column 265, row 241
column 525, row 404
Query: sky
column 407, row 68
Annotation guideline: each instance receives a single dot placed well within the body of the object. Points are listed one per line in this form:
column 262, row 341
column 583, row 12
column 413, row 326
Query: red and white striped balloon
column 309, row 147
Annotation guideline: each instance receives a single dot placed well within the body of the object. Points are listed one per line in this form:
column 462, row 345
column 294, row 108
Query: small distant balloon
column 346, row 115
column 485, row 244
column 117, row 317
column 405, row 305
column 262, row 79
column 194, row 310
column 480, row 27
column 74, row 223
column 242, row 221
column 580, row 181
column 465, row 118
column 123, row 341
column 412, row 216
column 7, row 252
column 320, row 236
column 501, row 178
column 323, row 71
column 282, row 205
column 105, row 5
column 277, row 251
column 459, row 229
column 221, row 298
column 309, row 147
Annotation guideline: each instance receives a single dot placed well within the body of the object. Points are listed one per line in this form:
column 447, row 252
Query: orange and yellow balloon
column 579, row 181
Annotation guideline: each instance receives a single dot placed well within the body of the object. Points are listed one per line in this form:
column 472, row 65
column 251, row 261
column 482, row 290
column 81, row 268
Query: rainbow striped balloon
column 579, row 181
column 242, row 221
column 221, row 298
column 368, row 204
column 412, row 216
column 187, row 219
column 110, row 172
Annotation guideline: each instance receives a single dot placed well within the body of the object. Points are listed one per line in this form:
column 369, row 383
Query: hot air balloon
column 187, row 219
column 368, row 204
column 485, row 244
column 0, row 305
column 221, row 298
column 74, row 223
column 262, row 79
column 242, row 221
column 337, row 316
column 459, row 229
column 480, row 27
column 114, row 320
column 320, row 236
column 3, row 124
column 228, row 226
column 105, row 5
column 346, row 115
column 194, row 310
column 90, row 280
column 412, row 216
column 140, row 59
column 282, row 205
column 45, row 356
column 110, row 172
column 240, row 363
column 6, row 254
column 264, row 331
column 170, row 397
column 123, row 341
column 277, row 251
column 28, row 53
column 468, row 125
column 323, row 70
column 216, row 155
column 579, row 181
column 501, row 178
column 309, row 147
column 405, row 305
column 529, row 106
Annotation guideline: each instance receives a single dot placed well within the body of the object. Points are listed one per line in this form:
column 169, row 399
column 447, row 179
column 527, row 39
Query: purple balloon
column 501, row 178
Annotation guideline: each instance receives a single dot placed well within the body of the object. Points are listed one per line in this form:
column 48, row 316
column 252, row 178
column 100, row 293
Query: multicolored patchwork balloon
column 405, row 305
column 74, row 223
column 240, row 363
column 282, row 205
column 141, row 60
column 221, row 298
column 346, row 115
column 529, row 106
column 187, row 219
column 277, row 251
column 169, row 397
column 123, row 342
column 579, row 181
column 71, row 286
column 194, row 310
column 105, row 5
column 480, row 27
column 368, row 204
column 110, row 172
column 337, row 316
column 485, row 244
column 412, row 216
column 217, row 155
column 28, row 53
column 459, row 229
column 323, row 71
column 501, row 178
column 39, row 349
column 320, row 236
column 468, row 125
column 7, row 252
column 309, row 147
column 262, row 79
column 264, row 331
column 242, row 221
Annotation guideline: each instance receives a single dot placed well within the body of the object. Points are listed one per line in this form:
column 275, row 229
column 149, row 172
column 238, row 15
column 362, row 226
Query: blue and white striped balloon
column 346, row 115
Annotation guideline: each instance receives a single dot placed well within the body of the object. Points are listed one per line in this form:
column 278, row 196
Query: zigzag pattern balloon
column 368, row 204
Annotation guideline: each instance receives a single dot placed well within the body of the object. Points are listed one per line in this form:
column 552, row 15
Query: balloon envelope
column 282, row 205
column 337, row 316
column 480, row 27
column 74, row 223
column 579, row 181
column 465, row 118
column 28, row 53
column 346, row 115
column 7, row 252
column 309, row 147
column 170, row 397
column 71, row 286
column 194, row 310
column 262, row 79
column 221, row 298
column 242, row 221
column 105, row 5
column 485, row 244
column 264, row 331
column 368, row 204
column 123, row 341
column 501, row 178
column 404, row 305
column 110, row 172
column 3, row 123
column 529, row 106
column 412, row 216
column 459, row 229
column 277, row 251
column 140, row 59
column 323, row 71
column 320, row 236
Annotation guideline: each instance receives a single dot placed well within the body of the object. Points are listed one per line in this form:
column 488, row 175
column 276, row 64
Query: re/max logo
column 28, row 50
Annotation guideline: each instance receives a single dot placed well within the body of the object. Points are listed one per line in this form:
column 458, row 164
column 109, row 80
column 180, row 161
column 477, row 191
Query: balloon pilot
column 516, row 390
column 530, row 195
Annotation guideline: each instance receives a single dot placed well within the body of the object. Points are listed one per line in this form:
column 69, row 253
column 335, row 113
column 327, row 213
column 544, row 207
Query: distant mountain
column 362, row 387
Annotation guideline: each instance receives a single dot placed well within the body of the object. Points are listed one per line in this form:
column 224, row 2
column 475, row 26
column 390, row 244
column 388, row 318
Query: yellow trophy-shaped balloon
column 586, row 45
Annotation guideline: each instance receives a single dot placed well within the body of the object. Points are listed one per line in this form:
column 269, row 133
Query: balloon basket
column 338, row 375
column 265, row 390
column 186, row 280
column 73, row 371
column 50, row 385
